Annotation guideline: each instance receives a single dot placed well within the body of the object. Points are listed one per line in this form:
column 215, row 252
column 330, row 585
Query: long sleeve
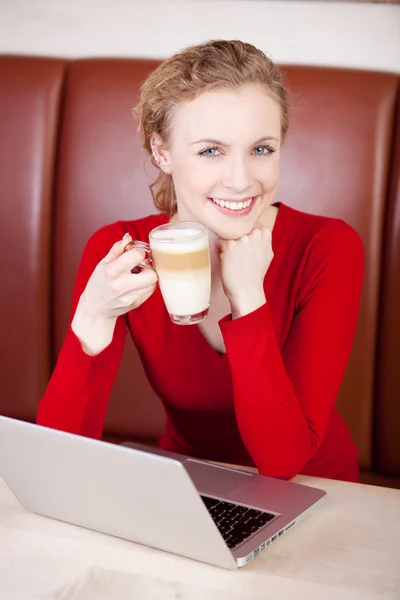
column 77, row 394
column 284, row 397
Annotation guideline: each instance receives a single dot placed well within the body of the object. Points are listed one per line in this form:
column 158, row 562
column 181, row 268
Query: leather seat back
column 30, row 96
column 387, row 410
column 336, row 163
column 101, row 179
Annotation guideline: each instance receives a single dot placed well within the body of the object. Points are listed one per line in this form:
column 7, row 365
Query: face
column 223, row 154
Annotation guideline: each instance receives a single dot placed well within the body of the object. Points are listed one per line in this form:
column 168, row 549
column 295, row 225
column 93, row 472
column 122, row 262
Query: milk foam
column 167, row 240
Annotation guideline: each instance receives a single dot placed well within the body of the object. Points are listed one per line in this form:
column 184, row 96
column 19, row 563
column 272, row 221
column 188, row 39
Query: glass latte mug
column 180, row 255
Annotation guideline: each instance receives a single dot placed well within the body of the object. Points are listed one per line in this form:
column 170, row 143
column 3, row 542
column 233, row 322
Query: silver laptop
column 213, row 514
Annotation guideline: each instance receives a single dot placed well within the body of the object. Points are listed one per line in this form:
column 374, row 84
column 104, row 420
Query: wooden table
column 349, row 549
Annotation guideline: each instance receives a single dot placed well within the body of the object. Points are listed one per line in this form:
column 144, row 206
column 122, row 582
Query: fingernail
column 126, row 236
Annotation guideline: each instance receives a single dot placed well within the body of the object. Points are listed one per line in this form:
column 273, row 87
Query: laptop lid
column 127, row 493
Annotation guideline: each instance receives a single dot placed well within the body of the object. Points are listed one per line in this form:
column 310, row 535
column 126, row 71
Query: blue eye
column 209, row 152
column 263, row 150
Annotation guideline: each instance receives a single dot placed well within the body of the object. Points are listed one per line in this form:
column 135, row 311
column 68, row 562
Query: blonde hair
column 183, row 77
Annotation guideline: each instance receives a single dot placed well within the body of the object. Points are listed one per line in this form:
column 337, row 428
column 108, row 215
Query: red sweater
column 269, row 400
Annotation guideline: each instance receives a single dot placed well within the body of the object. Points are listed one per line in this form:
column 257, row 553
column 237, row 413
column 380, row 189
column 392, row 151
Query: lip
column 235, row 213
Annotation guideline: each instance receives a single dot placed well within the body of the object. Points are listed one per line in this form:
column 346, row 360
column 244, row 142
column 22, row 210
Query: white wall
column 319, row 33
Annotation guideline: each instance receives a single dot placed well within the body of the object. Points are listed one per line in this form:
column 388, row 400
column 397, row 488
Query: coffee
column 181, row 258
column 178, row 262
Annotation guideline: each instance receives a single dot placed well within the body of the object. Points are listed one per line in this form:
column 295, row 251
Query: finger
column 220, row 245
column 132, row 283
column 266, row 235
column 132, row 302
column 148, row 293
column 126, row 262
column 255, row 234
column 117, row 249
column 263, row 228
column 145, row 264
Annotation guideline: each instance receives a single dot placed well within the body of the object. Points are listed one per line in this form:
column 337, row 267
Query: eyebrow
column 219, row 143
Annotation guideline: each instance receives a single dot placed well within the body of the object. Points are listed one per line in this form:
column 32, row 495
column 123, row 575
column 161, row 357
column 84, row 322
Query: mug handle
column 143, row 264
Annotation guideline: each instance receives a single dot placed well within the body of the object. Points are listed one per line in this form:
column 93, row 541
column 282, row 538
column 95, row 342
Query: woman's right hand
column 111, row 291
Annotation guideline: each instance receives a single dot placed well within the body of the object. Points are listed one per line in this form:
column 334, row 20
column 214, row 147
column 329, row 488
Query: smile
column 234, row 206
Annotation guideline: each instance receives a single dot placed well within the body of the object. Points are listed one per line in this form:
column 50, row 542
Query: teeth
column 232, row 205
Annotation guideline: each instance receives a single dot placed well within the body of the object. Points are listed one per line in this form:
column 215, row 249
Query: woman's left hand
column 244, row 263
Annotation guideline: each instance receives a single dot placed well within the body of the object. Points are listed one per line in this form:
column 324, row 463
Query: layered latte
column 181, row 257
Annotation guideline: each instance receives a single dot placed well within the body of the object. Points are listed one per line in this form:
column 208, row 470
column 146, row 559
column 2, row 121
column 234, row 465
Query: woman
column 256, row 382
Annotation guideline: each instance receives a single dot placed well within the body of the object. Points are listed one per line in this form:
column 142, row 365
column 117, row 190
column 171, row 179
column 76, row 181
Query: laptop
column 214, row 514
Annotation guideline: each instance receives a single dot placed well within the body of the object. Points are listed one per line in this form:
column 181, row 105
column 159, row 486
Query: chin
column 231, row 231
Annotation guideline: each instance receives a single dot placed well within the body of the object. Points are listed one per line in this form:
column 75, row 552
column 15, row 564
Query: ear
column 160, row 153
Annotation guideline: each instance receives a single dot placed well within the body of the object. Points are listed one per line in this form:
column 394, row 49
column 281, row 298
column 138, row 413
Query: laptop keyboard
column 234, row 521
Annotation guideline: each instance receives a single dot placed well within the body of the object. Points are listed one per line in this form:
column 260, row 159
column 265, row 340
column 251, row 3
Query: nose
column 237, row 176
